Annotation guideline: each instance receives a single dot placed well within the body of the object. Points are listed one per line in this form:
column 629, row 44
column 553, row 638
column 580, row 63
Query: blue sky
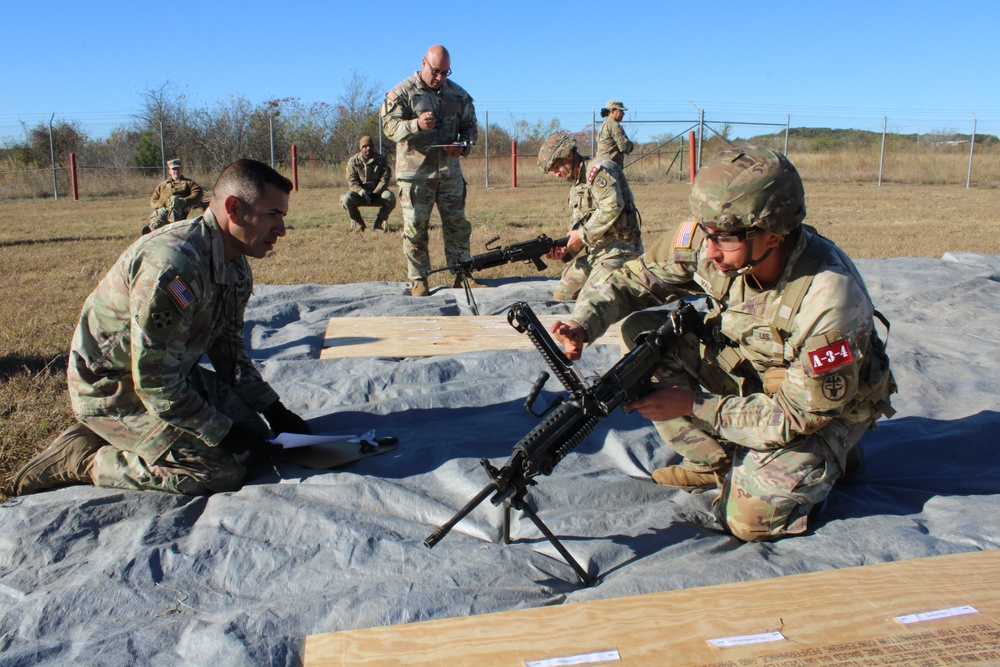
column 921, row 63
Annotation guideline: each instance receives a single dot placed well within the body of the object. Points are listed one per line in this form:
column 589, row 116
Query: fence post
column 788, row 121
column 163, row 152
column 487, row 151
column 693, row 167
column 74, row 183
column 270, row 125
column 513, row 163
column 52, row 150
column 295, row 168
column 881, row 156
column 972, row 150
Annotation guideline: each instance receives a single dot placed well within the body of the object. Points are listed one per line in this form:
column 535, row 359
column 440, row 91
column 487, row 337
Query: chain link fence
column 124, row 156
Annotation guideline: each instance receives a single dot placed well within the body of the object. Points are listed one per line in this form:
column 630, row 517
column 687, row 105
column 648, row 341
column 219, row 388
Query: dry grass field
column 52, row 253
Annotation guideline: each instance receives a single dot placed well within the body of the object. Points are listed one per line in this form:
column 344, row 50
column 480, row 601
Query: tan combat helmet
column 743, row 189
column 558, row 146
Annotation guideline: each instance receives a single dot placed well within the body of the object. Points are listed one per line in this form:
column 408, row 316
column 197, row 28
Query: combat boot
column 420, row 288
column 66, row 461
column 358, row 225
column 692, row 481
column 381, row 224
column 473, row 283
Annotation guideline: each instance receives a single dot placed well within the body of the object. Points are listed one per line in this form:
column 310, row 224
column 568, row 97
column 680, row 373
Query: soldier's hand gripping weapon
column 567, row 421
column 525, row 251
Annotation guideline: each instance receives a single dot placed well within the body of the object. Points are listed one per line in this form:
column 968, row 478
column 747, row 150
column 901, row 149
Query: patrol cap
column 615, row 104
column 365, row 141
column 744, row 188
column 174, row 164
column 558, row 146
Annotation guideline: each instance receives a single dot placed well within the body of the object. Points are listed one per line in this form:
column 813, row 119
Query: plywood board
column 428, row 336
column 853, row 616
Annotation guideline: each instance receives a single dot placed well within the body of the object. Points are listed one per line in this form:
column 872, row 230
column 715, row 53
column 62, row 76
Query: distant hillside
column 824, row 138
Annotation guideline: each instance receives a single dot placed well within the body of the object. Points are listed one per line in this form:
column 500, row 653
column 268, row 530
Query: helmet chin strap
column 751, row 263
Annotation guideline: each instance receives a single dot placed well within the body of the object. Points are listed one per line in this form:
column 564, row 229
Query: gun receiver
column 566, row 422
column 525, row 251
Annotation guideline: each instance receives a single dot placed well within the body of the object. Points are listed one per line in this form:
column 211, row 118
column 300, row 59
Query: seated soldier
column 173, row 198
column 368, row 175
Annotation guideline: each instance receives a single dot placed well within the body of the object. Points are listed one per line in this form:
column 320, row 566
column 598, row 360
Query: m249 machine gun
column 567, row 421
column 525, row 251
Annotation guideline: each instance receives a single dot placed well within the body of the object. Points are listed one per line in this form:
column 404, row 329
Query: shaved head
column 435, row 66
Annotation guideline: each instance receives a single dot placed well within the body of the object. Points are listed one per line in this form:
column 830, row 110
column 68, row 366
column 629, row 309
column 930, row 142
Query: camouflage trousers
column 418, row 199
column 176, row 209
column 585, row 269
column 146, row 453
column 768, row 491
column 385, row 201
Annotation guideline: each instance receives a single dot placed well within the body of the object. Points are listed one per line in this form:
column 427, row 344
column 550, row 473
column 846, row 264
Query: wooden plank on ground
column 428, row 336
column 854, row 616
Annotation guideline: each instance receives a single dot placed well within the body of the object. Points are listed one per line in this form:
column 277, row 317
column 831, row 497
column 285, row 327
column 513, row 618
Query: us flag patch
column 685, row 234
column 182, row 295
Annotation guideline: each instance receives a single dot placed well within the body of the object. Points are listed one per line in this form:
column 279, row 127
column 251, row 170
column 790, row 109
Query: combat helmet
column 743, row 189
column 558, row 146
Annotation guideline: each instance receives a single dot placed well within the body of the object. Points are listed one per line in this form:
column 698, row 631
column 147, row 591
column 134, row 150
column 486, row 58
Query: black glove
column 367, row 196
column 283, row 420
column 248, row 447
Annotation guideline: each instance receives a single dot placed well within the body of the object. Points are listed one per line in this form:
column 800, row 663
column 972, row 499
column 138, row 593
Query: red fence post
column 73, row 180
column 295, row 168
column 513, row 164
column 693, row 161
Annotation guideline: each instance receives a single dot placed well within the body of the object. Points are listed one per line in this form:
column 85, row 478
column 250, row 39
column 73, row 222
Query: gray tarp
column 103, row 577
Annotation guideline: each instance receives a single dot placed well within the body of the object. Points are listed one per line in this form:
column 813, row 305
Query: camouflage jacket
column 184, row 188
column 612, row 142
column 171, row 299
column 823, row 356
column 602, row 207
column 371, row 175
column 456, row 121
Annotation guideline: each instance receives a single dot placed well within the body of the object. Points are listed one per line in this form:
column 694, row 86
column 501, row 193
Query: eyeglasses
column 439, row 72
column 726, row 242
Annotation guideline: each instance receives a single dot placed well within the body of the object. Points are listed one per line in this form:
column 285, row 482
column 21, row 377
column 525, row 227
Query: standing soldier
column 604, row 222
column 173, row 198
column 368, row 175
column 612, row 142
column 433, row 122
column 770, row 403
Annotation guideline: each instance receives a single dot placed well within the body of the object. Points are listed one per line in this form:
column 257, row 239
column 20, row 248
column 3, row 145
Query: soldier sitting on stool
column 368, row 175
column 173, row 198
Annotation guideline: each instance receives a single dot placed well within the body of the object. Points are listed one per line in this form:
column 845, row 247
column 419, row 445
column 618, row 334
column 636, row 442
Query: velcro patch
column 391, row 95
column 182, row 295
column 593, row 172
column 163, row 319
column 831, row 356
column 685, row 234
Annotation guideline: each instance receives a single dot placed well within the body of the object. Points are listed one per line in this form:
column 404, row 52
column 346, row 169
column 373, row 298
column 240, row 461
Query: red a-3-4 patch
column 831, row 356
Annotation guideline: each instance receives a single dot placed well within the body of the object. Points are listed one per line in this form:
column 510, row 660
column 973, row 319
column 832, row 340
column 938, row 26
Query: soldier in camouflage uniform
column 604, row 223
column 772, row 410
column 173, row 198
column 612, row 142
column 368, row 176
column 428, row 109
column 150, row 416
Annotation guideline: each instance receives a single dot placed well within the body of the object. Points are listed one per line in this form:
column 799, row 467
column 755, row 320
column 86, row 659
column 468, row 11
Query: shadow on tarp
column 908, row 461
column 430, row 437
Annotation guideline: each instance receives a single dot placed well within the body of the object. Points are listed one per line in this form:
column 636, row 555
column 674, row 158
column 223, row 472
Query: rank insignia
column 593, row 172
